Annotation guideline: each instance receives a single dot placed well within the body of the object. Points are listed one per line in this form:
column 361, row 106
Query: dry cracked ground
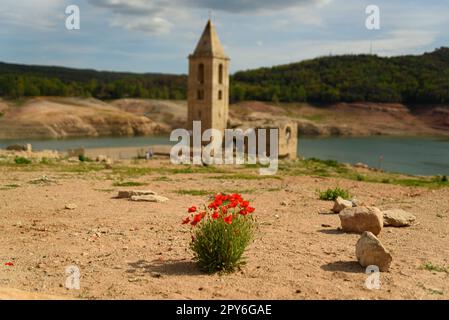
column 134, row 250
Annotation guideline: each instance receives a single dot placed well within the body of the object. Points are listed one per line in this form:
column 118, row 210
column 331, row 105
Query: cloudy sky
column 158, row 35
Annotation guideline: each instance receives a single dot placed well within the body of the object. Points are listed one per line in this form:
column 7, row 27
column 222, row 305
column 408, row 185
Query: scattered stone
column 43, row 180
column 71, row 206
column 17, row 147
column 370, row 251
column 398, row 218
column 108, row 164
column 360, row 219
column 361, row 165
column 340, row 204
column 149, row 198
column 101, row 158
column 356, row 202
column 284, row 203
column 126, row 194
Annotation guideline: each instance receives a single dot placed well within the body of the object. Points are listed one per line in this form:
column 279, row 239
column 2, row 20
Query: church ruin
column 208, row 93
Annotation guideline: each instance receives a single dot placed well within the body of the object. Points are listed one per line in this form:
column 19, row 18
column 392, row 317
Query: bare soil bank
column 48, row 117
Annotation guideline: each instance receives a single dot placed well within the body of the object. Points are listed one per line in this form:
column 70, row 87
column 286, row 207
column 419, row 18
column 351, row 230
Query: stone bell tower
column 208, row 84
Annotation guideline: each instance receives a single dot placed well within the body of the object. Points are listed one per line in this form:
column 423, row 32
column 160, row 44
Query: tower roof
column 209, row 44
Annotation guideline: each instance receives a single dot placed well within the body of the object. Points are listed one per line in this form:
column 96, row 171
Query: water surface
column 421, row 156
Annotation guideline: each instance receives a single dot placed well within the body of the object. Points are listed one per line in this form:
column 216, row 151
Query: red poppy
column 224, row 210
column 196, row 219
column 186, row 220
column 236, row 197
column 9, row 264
column 233, row 203
column 213, row 205
column 228, row 219
column 215, row 215
column 192, row 209
column 243, row 212
column 250, row 209
column 245, row 204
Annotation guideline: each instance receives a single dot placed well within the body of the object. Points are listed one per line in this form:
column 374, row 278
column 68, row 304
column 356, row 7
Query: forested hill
column 18, row 80
column 348, row 78
column 408, row 79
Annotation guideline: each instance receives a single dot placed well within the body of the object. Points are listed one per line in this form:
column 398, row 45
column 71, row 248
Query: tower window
column 220, row 74
column 200, row 95
column 220, row 95
column 201, row 73
column 288, row 134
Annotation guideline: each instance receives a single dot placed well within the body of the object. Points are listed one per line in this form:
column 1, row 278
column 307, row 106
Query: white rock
column 149, row 198
column 71, row 206
column 360, row 219
column 129, row 193
column 370, row 251
column 340, row 204
column 398, row 218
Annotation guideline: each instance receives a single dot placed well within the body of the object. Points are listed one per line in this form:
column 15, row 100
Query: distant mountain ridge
column 420, row 79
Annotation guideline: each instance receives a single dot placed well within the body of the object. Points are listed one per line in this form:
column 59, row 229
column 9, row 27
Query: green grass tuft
column 332, row 194
column 22, row 160
column 128, row 184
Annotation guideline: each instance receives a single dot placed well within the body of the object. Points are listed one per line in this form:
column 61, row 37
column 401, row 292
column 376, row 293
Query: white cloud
column 157, row 16
column 152, row 25
column 44, row 15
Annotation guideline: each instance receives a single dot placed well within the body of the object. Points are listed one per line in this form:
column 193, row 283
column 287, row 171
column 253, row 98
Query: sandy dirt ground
column 134, row 250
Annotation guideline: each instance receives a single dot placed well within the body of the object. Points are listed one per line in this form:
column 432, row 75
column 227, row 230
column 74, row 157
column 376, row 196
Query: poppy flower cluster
column 222, row 206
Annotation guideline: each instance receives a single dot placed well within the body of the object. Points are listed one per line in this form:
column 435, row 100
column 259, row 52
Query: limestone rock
column 360, row 219
column 356, row 202
column 101, row 158
column 398, row 218
column 149, row 198
column 340, row 204
column 129, row 193
column 370, row 251
column 71, row 206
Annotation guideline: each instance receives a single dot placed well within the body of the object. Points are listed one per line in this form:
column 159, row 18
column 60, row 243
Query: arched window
column 288, row 134
column 201, row 73
column 220, row 95
column 220, row 74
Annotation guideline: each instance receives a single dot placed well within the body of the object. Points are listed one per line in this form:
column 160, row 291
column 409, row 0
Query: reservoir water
column 420, row 156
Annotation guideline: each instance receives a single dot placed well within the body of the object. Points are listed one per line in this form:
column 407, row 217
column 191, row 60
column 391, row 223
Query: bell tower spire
column 208, row 83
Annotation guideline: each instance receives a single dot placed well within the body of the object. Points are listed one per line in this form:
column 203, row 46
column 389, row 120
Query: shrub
column 83, row 158
column 332, row 194
column 22, row 160
column 221, row 232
